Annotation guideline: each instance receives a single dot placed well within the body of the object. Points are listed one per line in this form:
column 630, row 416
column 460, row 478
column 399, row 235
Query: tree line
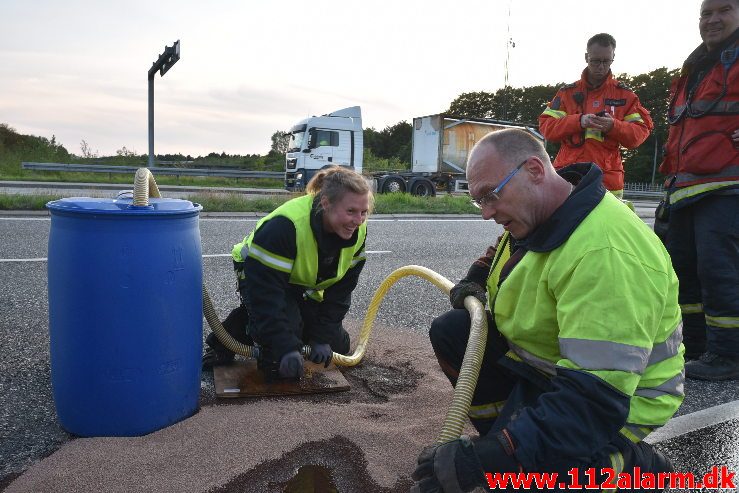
column 524, row 105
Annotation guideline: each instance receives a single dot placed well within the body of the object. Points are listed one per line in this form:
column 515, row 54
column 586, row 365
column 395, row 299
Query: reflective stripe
column 269, row 259
column 723, row 322
column 540, row 364
column 634, row 117
column 693, row 190
column 359, row 258
column 635, row 433
column 673, row 386
column 604, row 355
column 667, row 349
column 731, row 171
column 617, row 464
column 702, row 105
column 690, row 308
column 591, row 133
column 619, row 194
column 486, row 411
column 241, row 254
column 554, row 113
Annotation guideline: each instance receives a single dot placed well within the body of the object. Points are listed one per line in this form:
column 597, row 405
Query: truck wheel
column 393, row 184
column 423, row 188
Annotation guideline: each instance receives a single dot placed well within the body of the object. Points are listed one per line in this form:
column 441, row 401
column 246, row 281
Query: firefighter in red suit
column 702, row 214
column 595, row 116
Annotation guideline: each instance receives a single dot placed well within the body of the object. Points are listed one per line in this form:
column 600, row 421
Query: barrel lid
column 89, row 205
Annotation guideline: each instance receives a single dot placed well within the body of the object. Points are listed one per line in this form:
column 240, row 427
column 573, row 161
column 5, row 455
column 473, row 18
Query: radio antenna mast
column 508, row 45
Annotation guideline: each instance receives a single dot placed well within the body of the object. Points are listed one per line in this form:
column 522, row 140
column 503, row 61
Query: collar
column 586, row 195
column 701, row 58
column 586, row 84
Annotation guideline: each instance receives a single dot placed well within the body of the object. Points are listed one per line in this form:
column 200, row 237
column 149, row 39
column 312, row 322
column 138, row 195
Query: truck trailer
column 440, row 146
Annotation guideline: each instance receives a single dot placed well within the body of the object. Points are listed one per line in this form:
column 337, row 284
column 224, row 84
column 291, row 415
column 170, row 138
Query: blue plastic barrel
column 125, row 314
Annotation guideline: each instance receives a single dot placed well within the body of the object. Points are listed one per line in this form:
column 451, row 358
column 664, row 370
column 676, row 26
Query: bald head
column 511, row 146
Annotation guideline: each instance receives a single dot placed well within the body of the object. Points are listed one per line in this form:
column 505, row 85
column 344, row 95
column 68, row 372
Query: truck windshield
column 296, row 141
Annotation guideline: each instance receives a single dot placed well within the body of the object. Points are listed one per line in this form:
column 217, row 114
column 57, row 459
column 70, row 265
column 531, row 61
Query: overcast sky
column 77, row 69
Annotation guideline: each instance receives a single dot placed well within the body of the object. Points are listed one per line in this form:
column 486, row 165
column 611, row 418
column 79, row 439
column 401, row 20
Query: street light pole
column 163, row 64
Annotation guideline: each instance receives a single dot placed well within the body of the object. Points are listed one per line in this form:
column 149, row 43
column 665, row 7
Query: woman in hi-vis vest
column 296, row 272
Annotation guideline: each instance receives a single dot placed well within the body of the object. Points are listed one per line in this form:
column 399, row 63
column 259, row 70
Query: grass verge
column 398, row 203
column 25, row 202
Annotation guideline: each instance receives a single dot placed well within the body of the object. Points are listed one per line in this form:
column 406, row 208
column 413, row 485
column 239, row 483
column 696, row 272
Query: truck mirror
column 306, row 150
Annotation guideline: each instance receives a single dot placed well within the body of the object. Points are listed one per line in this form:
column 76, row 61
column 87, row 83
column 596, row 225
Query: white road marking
column 255, row 219
column 40, row 259
column 25, row 219
column 44, row 259
column 695, row 421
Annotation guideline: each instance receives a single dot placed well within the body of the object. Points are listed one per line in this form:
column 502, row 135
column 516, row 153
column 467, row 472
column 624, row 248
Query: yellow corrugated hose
column 456, row 416
column 144, row 187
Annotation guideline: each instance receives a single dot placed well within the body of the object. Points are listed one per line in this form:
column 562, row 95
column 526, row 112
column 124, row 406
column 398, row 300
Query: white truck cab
column 319, row 141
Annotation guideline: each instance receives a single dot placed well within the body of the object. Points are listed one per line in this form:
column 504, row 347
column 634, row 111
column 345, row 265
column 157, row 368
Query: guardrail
column 641, row 194
column 157, row 170
column 643, row 190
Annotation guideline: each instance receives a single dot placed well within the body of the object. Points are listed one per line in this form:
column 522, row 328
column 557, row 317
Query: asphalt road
column 28, row 427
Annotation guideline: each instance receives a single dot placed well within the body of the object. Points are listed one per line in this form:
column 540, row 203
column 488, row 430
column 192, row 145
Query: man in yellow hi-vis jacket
column 584, row 356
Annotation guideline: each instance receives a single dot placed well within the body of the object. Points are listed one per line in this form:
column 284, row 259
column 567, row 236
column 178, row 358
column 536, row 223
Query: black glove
column 458, row 465
column 320, row 353
column 450, row 467
column 291, row 365
column 465, row 288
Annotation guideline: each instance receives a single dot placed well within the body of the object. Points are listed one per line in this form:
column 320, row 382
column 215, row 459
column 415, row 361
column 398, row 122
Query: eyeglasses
column 595, row 62
column 494, row 194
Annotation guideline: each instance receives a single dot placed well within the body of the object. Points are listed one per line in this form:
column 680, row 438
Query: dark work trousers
column 517, row 386
column 703, row 241
column 449, row 334
column 298, row 311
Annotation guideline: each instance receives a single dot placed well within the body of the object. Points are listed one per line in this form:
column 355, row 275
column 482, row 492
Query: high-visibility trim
column 591, row 133
column 502, row 254
column 728, row 172
column 590, row 354
column 239, row 252
column 668, row 348
column 539, row 363
column 723, row 322
column 636, row 433
column 701, row 105
column 314, row 294
column 693, row 190
column 690, row 308
column 619, row 194
column 554, row 113
column 486, row 411
column 359, row 257
column 673, row 386
column 268, row 259
column 617, row 464
column 633, row 117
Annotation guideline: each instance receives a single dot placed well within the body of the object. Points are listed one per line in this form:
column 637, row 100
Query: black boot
column 712, row 366
column 235, row 324
column 214, row 357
